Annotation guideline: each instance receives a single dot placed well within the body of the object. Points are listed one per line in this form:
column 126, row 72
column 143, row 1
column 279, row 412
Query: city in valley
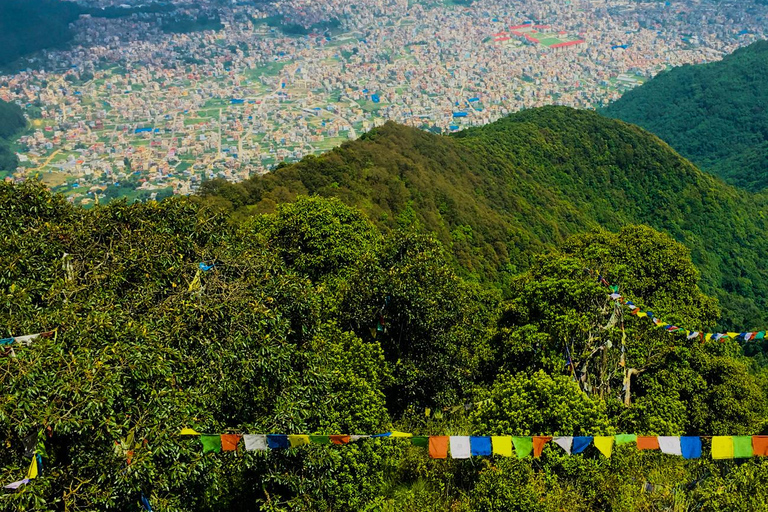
column 133, row 110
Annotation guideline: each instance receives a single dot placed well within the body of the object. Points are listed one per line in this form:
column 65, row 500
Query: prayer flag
column 565, row 442
column 16, row 485
column 229, row 442
column 480, row 446
column 354, row 438
column 394, row 433
column 647, row 443
column 742, row 447
column 604, row 444
column 339, row 439
column 580, row 443
column 211, row 443
column 277, row 441
column 32, row 472
column 460, row 447
column 690, row 446
column 189, row 432
column 145, row 503
column 321, row 439
column 255, row 442
column 670, row 445
column 438, row 447
column 298, row 440
column 502, row 445
column 760, row 335
column 626, row 438
column 722, row 447
column 760, row 446
column 420, row 441
column 538, row 444
column 523, row 446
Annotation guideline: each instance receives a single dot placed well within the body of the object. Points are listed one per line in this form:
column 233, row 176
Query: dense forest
column 714, row 114
column 12, row 121
column 496, row 196
column 27, row 26
column 311, row 319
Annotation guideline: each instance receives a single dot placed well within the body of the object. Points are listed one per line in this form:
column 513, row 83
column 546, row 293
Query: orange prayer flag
column 438, row 447
column 538, row 444
column 647, row 443
column 341, row 439
column 229, row 442
column 760, row 446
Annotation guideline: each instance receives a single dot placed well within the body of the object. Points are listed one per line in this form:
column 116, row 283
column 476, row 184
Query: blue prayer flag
column 691, row 447
column 580, row 443
column 277, row 441
column 480, row 446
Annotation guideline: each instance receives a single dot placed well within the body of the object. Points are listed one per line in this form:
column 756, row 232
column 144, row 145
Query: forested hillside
column 311, row 320
column 714, row 114
column 27, row 26
column 11, row 122
column 495, row 196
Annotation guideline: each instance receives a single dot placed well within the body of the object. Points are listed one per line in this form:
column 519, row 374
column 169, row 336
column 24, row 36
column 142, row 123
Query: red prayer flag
column 341, row 439
column 647, row 443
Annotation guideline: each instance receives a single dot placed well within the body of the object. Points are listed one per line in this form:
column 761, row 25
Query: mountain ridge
column 496, row 195
column 715, row 114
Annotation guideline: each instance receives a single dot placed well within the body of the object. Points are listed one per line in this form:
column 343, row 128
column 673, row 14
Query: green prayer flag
column 523, row 446
column 760, row 335
column 319, row 439
column 211, row 443
column 626, row 438
column 420, row 441
column 742, row 447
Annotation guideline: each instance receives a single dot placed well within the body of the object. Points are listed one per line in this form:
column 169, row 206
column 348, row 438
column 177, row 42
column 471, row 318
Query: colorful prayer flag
column 604, row 444
column 321, row 439
column 670, row 445
column 742, row 447
column 722, row 447
column 460, row 447
column 189, row 432
column 255, row 442
column 339, row 439
column 480, row 446
column 538, row 445
column 277, row 441
column 229, row 442
column 647, row 443
column 626, row 438
column 580, row 443
column 211, row 443
column 760, row 446
column 690, row 447
column 438, row 447
column 298, row 440
column 565, row 442
column 523, row 445
column 502, row 445
column 420, row 441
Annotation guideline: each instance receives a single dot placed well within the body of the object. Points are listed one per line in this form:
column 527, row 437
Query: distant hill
column 499, row 194
column 27, row 26
column 714, row 114
column 11, row 121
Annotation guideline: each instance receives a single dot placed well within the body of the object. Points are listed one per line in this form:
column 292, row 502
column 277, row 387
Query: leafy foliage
column 494, row 196
column 713, row 114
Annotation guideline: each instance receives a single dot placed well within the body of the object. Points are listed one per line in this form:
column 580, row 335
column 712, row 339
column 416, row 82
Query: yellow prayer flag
column 604, row 444
column 722, row 447
column 733, row 335
column 642, row 314
column 32, row 473
column 708, row 337
column 298, row 440
column 395, row 433
column 502, row 445
column 189, row 432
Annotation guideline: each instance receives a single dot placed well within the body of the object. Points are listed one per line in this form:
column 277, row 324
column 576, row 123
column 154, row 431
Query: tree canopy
column 714, row 114
column 311, row 319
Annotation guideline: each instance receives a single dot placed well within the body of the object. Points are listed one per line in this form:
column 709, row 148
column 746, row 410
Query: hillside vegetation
column 11, row 122
column 497, row 195
column 714, row 114
column 311, row 319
